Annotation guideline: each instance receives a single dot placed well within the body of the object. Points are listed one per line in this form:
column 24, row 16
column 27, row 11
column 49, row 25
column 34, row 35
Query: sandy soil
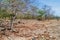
column 33, row 30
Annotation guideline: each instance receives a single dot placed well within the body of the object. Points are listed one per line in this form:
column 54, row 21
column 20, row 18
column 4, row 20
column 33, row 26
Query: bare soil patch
column 33, row 30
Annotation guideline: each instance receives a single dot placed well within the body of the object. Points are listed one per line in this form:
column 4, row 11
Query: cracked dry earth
column 34, row 30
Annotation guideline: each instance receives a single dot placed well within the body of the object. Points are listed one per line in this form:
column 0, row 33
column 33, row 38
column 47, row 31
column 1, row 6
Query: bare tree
column 17, row 5
column 48, row 11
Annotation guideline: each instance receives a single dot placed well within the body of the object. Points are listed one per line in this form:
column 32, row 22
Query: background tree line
column 25, row 10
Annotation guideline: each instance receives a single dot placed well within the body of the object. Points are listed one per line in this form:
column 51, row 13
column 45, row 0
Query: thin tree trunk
column 11, row 23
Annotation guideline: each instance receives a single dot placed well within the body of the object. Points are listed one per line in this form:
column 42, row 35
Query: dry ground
column 34, row 30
